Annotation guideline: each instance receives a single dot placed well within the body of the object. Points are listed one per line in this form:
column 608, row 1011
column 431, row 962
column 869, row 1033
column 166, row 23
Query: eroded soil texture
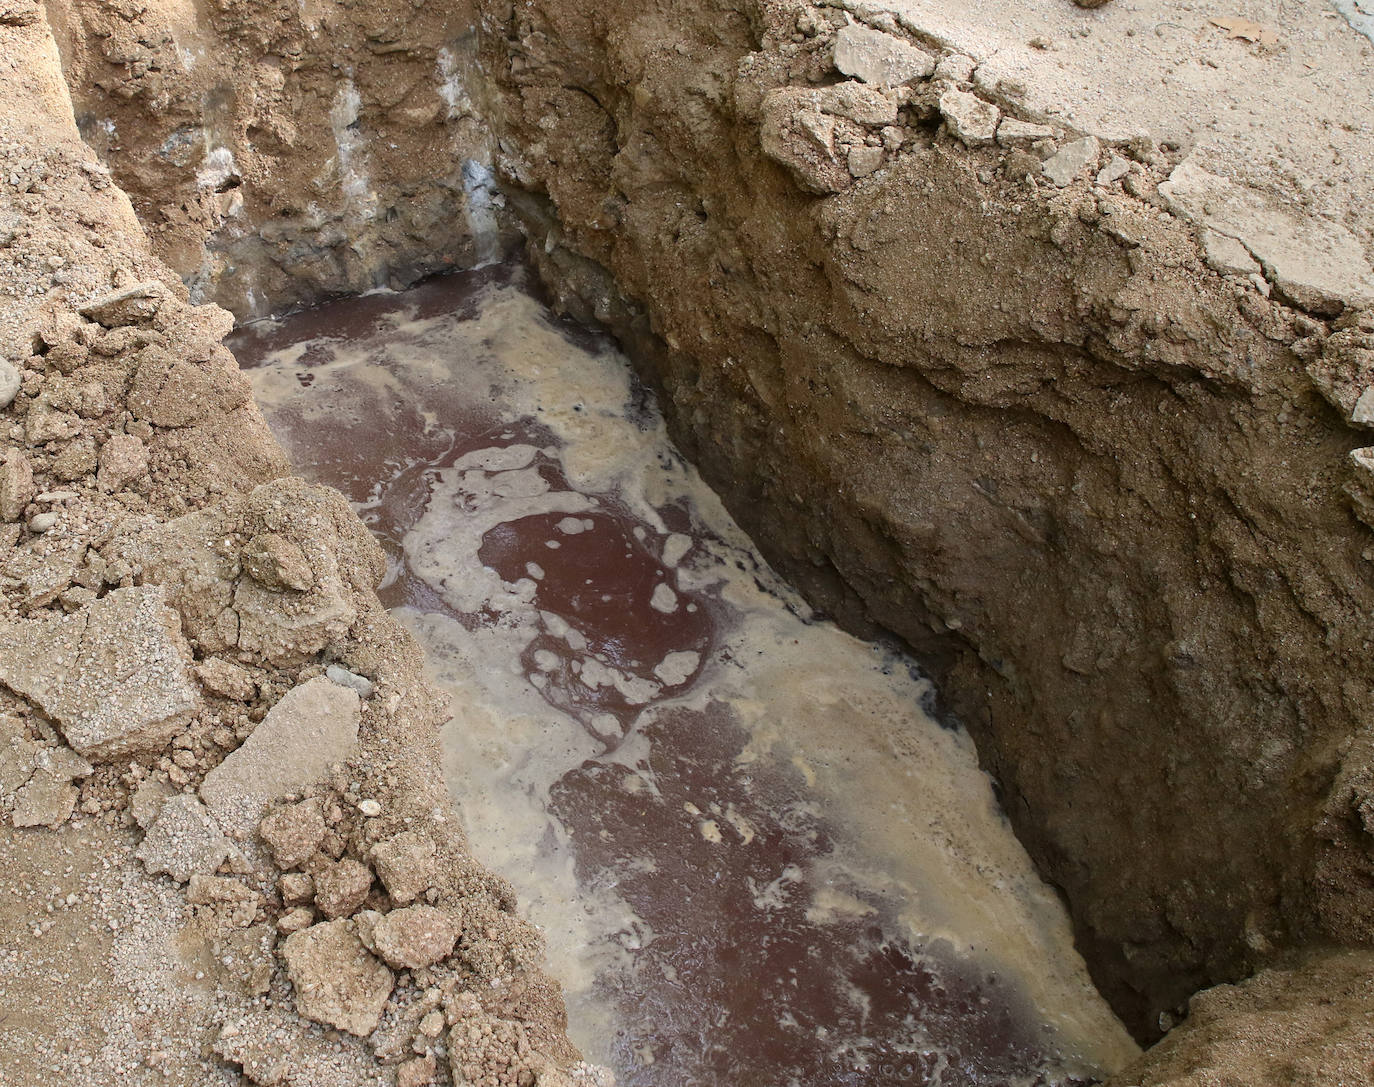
column 756, row 857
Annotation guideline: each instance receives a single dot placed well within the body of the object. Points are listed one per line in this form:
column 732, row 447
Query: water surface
column 756, row 856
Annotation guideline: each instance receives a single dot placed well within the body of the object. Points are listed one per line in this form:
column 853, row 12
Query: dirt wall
column 278, row 154
column 1098, row 486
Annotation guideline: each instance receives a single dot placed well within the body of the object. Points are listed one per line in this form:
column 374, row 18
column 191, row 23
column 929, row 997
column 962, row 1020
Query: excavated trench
column 923, row 413
column 756, row 856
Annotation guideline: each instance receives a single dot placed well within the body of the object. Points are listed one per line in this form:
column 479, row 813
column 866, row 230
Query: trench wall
column 1101, row 489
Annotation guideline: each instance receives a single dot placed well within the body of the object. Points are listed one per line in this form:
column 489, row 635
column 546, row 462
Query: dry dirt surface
column 1044, row 342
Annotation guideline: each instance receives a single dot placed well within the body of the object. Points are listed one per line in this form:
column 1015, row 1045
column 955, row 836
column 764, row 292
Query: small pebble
column 370, row 808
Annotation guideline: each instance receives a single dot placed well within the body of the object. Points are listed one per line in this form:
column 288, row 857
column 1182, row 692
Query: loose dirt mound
column 192, row 654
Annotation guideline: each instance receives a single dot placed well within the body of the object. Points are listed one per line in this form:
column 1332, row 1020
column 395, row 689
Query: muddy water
column 757, row 859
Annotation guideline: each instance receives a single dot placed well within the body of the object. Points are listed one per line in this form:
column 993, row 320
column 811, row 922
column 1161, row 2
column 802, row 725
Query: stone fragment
column 341, row 887
column 123, row 459
column 797, row 134
column 1014, row 133
column 184, row 840
column 277, row 563
column 42, row 522
column 46, row 423
column 405, row 864
column 1363, row 412
column 234, row 902
column 956, row 68
column 170, row 392
column 18, row 756
column 341, row 675
column 16, row 485
column 293, row 832
column 147, row 800
column 129, row 306
column 1226, row 255
column 417, row 1072
column 44, row 801
column 295, row 920
column 311, row 729
column 10, row 380
column 226, row 679
column 1116, row 168
column 42, row 576
column 1314, row 263
column 48, row 797
column 223, row 609
column 881, row 59
column 115, row 677
column 76, row 461
column 969, row 118
column 337, row 980
column 432, row 1025
column 864, row 160
column 1071, row 160
column 855, row 102
column 297, row 888
column 1360, row 486
column 415, row 936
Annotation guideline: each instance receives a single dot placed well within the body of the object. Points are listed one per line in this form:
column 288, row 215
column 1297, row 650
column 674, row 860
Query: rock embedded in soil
column 10, row 379
column 1015, row 133
column 122, row 460
column 184, row 840
column 293, row 832
column 148, row 798
column 277, row 563
column 417, row 1071
column 296, row 888
column 48, row 797
column 236, row 903
column 227, row 679
column 131, row 305
column 314, row 727
column 339, row 674
column 16, row 484
column 338, row 982
column 970, row 119
column 115, row 676
column 1068, row 163
column 881, row 59
column 405, row 864
column 414, row 936
column 224, row 607
column 341, row 886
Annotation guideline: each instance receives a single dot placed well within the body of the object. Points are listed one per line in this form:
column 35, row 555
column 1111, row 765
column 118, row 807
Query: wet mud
column 756, row 857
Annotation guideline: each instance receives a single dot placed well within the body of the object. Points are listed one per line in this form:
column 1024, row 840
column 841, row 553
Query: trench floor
column 755, row 855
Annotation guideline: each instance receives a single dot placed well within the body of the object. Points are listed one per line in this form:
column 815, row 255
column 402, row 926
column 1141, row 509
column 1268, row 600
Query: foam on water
column 756, row 857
